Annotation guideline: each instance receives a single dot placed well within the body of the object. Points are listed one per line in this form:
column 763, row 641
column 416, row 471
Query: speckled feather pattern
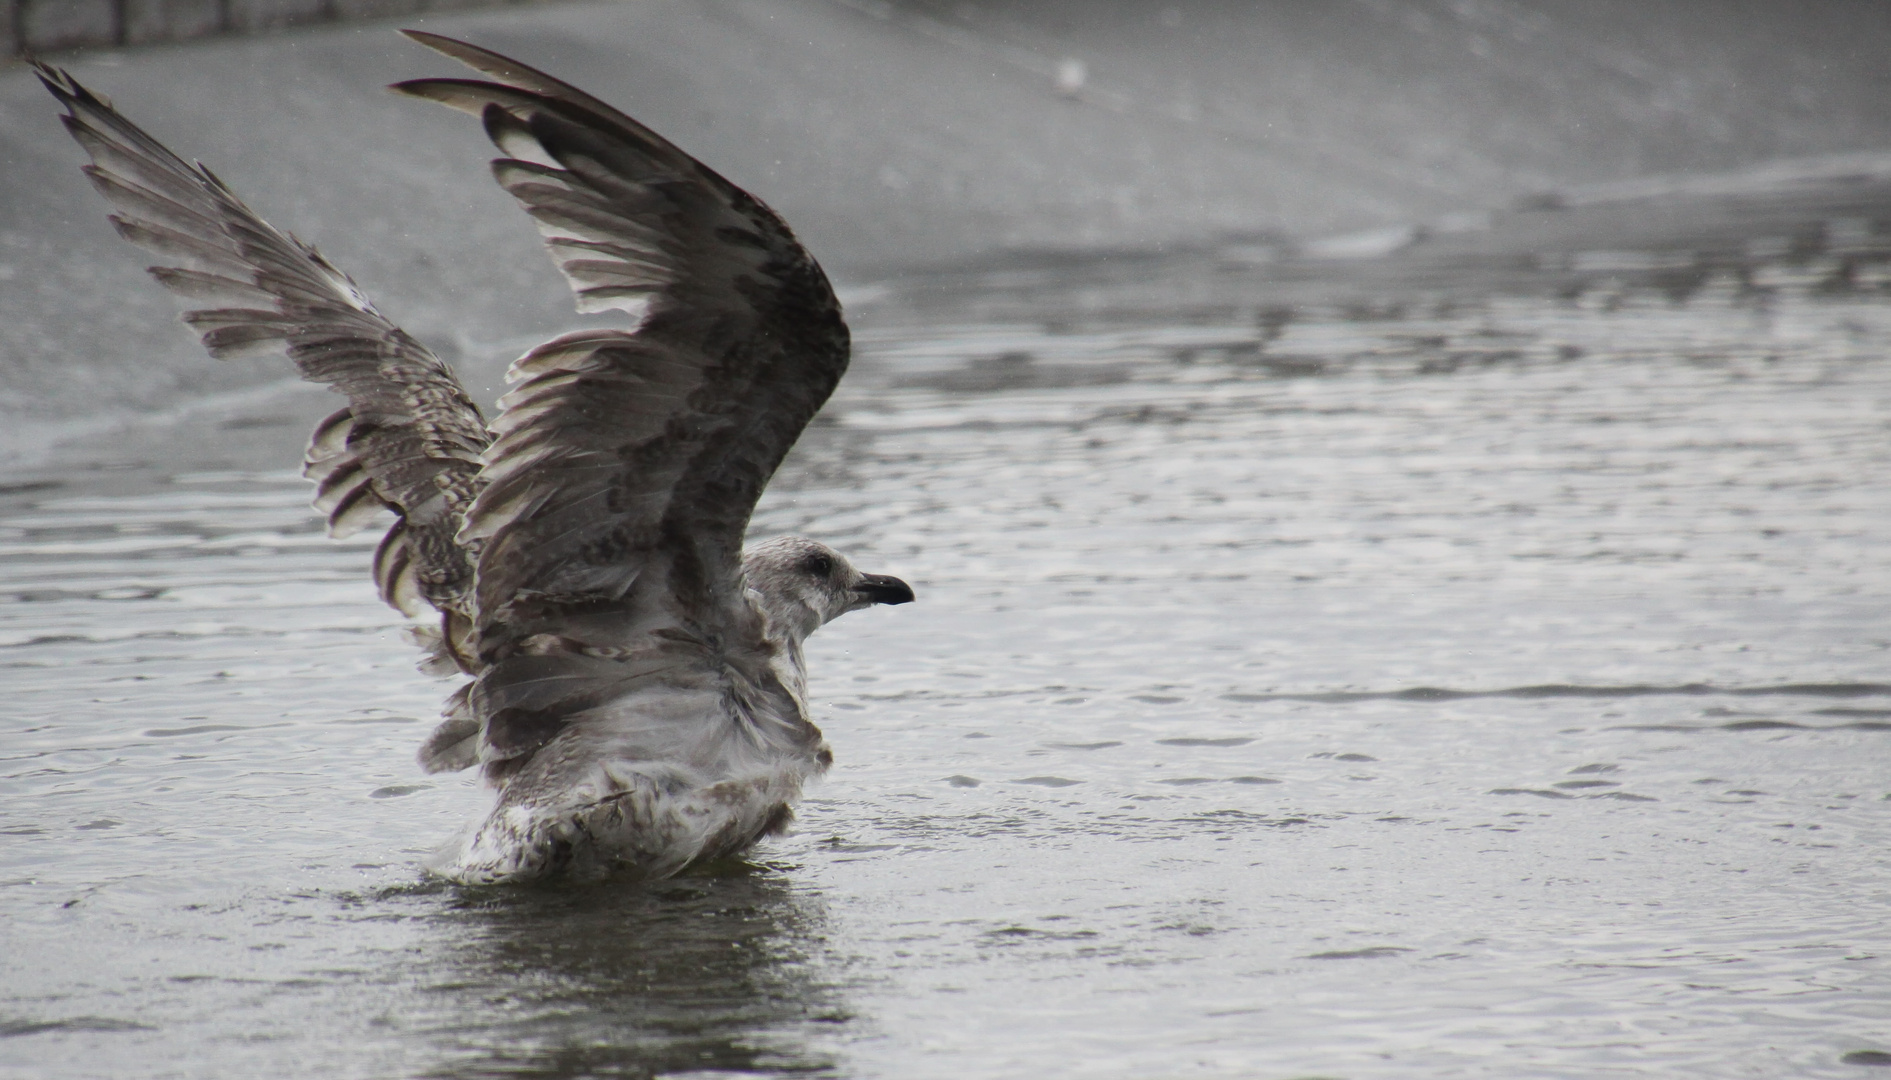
column 410, row 438
column 638, row 696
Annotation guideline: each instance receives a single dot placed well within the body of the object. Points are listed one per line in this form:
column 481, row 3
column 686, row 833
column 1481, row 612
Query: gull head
column 803, row 584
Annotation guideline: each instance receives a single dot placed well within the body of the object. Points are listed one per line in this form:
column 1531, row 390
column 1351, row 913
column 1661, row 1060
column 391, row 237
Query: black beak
column 881, row 589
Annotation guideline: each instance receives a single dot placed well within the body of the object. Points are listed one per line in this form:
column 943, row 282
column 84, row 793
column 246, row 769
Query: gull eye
column 818, row 564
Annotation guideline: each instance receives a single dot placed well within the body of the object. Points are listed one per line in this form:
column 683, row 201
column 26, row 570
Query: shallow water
column 1497, row 691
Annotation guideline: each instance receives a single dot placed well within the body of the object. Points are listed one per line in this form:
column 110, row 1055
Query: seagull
column 636, row 689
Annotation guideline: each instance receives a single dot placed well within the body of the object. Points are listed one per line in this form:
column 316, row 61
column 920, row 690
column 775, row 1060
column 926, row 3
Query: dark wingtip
column 440, row 43
column 423, row 37
column 58, row 82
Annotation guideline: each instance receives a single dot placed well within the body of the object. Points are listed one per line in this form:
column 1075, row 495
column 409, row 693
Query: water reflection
column 713, row 973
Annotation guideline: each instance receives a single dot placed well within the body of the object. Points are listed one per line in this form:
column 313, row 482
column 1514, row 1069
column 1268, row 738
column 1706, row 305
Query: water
column 1487, row 690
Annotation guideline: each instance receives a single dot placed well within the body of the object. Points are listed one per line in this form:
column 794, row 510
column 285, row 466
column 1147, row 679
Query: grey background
column 900, row 137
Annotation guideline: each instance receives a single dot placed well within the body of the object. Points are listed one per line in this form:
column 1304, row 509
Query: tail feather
column 643, row 831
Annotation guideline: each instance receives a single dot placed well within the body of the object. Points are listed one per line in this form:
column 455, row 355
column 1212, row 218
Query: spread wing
column 625, row 464
column 409, row 439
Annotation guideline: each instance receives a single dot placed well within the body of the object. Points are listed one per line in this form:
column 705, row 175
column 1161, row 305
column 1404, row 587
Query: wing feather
column 617, row 451
column 410, row 438
column 625, row 464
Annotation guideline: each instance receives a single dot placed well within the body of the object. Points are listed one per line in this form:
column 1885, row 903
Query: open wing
column 410, row 438
column 625, row 464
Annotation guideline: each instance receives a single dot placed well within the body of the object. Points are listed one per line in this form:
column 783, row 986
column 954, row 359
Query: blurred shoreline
column 1048, row 162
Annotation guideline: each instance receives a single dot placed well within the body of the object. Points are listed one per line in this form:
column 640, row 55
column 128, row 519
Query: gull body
column 634, row 687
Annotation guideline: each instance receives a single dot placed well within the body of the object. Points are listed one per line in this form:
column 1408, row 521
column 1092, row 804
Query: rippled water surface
column 1496, row 691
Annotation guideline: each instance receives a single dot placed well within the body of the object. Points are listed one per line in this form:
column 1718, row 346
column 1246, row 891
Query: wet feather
column 638, row 697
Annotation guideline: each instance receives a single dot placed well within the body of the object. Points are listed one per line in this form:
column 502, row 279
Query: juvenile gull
column 638, row 696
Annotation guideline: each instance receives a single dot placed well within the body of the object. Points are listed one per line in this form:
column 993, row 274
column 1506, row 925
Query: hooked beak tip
column 882, row 589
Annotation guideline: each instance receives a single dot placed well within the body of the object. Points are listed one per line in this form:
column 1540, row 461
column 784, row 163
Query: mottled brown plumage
column 639, row 696
column 410, row 438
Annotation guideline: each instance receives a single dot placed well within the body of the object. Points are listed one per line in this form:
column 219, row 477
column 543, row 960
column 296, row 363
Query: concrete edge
column 31, row 27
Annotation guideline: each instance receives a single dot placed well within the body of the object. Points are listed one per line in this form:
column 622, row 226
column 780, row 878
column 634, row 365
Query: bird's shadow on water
column 726, row 970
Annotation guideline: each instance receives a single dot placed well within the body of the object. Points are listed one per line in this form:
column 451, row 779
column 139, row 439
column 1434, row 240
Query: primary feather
column 638, row 694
